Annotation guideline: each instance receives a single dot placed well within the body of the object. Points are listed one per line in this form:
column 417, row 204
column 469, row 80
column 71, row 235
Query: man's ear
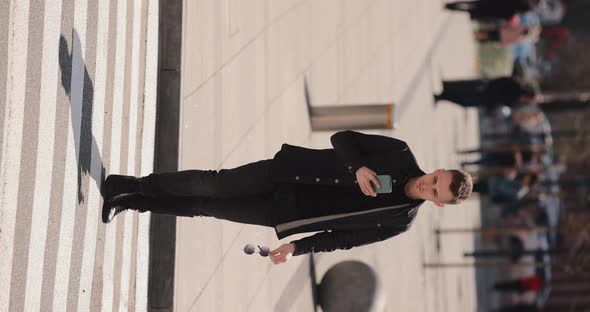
column 441, row 205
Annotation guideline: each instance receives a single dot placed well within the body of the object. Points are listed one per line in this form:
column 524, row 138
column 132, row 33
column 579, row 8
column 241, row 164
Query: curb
column 163, row 228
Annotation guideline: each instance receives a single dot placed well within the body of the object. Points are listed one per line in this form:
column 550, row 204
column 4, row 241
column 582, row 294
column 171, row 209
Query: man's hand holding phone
column 364, row 177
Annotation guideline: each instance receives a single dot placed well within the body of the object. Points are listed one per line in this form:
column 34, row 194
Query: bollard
column 351, row 286
column 375, row 116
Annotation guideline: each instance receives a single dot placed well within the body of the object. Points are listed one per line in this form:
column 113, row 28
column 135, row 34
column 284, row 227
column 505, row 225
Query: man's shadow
column 85, row 141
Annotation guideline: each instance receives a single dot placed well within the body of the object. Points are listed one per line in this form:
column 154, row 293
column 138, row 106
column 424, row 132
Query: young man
column 302, row 190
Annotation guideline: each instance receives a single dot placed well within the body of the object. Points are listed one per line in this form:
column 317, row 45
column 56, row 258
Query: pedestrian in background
column 493, row 9
column 507, row 34
column 532, row 283
column 489, row 94
column 520, row 307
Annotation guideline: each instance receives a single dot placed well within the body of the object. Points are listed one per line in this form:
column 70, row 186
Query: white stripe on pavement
column 119, row 82
column 94, row 202
column 70, row 190
column 45, row 147
column 147, row 155
column 126, row 261
column 18, row 32
column 132, row 148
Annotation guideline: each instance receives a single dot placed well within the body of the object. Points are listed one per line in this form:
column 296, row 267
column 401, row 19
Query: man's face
column 435, row 187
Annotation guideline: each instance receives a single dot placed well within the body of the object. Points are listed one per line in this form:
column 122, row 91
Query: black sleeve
column 331, row 240
column 351, row 145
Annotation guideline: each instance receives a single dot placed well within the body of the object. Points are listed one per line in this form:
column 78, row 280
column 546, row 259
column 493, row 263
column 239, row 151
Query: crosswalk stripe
column 44, row 155
column 93, row 215
column 87, row 180
column 12, row 137
column 129, row 219
column 62, row 124
column 27, row 173
column 100, row 266
column 4, row 35
column 69, row 203
column 109, row 249
column 125, row 149
column 147, row 155
column 126, row 258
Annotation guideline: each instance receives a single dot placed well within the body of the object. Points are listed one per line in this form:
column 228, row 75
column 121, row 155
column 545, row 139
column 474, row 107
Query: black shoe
column 106, row 207
column 116, row 184
column 450, row 6
column 435, row 99
column 120, row 203
column 109, row 214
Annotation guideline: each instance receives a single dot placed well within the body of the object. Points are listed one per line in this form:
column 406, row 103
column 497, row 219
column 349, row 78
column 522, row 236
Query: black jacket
column 506, row 91
column 324, row 195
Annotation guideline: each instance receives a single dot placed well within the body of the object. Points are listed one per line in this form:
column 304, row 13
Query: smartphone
column 386, row 184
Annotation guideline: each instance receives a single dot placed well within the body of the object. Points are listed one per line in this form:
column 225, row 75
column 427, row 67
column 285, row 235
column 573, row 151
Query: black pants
column 488, row 9
column 481, row 187
column 467, row 93
column 501, row 159
column 521, row 307
column 509, row 286
column 244, row 194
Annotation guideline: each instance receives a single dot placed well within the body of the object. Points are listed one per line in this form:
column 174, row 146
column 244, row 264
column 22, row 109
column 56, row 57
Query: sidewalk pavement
column 243, row 70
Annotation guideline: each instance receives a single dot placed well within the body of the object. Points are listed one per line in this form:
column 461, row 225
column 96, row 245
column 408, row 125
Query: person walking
column 519, row 307
column 493, row 9
column 365, row 189
column 507, row 90
column 532, row 283
column 507, row 34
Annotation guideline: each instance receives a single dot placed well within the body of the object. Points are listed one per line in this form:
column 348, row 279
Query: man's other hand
column 282, row 254
column 364, row 176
